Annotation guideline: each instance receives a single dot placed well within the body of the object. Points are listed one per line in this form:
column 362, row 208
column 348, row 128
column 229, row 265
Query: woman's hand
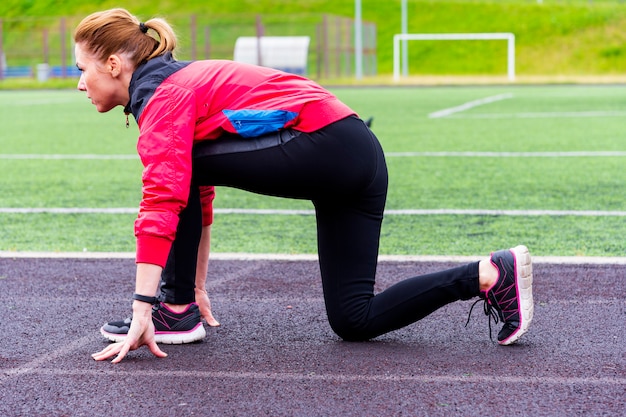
column 202, row 299
column 141, row 333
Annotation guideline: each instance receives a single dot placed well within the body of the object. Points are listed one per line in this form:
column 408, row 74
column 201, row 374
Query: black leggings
column 341, row 169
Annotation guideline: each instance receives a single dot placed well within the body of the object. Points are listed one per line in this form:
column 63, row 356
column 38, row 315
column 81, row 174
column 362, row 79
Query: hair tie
column 143, row 28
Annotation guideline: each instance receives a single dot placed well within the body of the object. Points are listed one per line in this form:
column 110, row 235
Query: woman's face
column 106, row 83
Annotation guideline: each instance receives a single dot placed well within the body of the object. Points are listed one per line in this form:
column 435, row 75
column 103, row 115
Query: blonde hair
column 116, row 31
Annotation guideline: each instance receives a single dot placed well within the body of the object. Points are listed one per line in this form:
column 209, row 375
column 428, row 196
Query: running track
column 276, row 355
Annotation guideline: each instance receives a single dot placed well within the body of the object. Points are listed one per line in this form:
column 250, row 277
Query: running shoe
column 510, row 299
column 170, row 328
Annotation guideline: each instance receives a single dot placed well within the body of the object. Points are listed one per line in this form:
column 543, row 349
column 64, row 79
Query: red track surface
column 276, row 355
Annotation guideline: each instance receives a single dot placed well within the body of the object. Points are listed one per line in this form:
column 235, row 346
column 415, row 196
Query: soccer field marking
column 470, row 154
column 464, row 154
column 469, row 105
column 41, row 101
column 288, row 212
column 69, row 210
column 542, row 115
column 67, row 156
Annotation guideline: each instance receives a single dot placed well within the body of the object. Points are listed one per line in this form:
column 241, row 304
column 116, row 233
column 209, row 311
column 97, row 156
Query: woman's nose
column 81, row 84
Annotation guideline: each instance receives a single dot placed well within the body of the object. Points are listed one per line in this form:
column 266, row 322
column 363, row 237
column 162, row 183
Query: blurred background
column 346, row 40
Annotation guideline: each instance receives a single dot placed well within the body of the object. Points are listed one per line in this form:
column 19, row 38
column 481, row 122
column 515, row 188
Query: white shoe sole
column 524, row 284
column 169, row 338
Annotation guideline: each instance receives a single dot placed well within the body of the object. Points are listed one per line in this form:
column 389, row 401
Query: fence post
column 193, row 28
column 337, row 46
column 349, row 48
column 207, row 42
column 358, row 40
column 46, row 47
column 63, row 49
column 1, row 53
column 326, row 52
column 318, row 34
column 259, row 35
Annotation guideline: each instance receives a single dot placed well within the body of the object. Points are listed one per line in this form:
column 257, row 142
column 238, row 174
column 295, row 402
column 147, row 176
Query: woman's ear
column 114, row 65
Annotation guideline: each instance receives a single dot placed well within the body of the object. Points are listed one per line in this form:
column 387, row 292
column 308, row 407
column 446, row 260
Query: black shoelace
column 489, row 311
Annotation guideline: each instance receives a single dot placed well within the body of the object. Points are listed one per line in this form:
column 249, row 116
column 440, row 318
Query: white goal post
column 509, row 37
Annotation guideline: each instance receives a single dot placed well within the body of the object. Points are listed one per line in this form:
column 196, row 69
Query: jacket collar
column 146, row 78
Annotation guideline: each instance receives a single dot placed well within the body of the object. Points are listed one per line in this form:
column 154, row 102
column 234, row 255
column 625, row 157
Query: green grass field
column 527, row 165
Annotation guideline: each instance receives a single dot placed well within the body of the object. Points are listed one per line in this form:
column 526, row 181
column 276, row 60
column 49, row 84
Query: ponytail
column 116, row 31
column 165, row 33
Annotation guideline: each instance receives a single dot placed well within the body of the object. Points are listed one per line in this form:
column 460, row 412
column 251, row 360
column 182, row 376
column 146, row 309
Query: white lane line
column 466, row 154
column 572, row 154
column 286, row 212
column 40, row 361
column 316, row 376
column 469, row 105
column 540, row 115
column 230, row 256
column 237, row 299
column 528, row 213
column 10, row 156
column 42, row 101
column 68, row 210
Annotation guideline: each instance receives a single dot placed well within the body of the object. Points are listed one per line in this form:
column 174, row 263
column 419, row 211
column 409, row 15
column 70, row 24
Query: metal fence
column 31, row 47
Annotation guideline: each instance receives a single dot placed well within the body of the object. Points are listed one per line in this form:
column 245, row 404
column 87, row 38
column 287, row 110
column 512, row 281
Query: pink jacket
column 177, row 104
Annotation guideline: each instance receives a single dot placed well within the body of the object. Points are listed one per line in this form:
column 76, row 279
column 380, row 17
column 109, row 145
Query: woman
column 223, row 123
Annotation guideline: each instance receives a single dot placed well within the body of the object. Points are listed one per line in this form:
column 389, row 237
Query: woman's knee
column 349, row 328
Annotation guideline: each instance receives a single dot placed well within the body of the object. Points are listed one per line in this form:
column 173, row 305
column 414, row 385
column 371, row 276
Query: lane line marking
column 469, row 105
column 293, row 300
column 288, row 212
column 232, row 256
column 540, row 115
column 314, row 376
column 33, row 365
column 42, row 101
column 69, row 210
column 465, row 154
column 67, row 156
column 573, row 154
